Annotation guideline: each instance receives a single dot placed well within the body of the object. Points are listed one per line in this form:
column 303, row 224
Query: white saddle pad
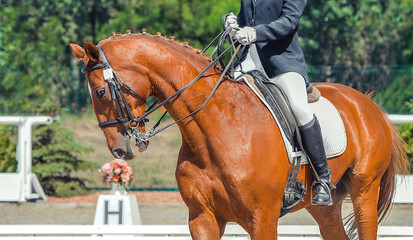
column 332, row 128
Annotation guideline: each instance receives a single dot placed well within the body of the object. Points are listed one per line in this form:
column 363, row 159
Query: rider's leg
column 293, row 84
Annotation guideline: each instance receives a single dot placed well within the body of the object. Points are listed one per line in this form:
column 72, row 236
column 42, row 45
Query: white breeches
column 292, row 83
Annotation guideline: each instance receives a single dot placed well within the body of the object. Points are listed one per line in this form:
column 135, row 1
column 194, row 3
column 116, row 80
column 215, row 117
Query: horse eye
column 101, row 92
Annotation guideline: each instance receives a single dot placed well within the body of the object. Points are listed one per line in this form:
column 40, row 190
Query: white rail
column 404, row 189
column 172, row 231
column 398, row 118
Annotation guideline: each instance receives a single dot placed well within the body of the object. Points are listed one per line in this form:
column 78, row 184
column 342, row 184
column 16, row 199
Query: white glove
column 246, row 35
column 231, row 21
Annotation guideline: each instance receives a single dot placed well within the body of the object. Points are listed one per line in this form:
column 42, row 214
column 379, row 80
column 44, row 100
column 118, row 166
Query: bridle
column 129, row 123
column 126, row 118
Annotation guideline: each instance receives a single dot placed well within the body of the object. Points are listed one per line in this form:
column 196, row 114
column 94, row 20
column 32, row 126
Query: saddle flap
column 277, row 100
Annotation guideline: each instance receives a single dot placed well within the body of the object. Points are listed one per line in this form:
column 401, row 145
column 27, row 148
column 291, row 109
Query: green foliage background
column 56, row 154
column 7, row 150
column 358, row 43
column 366, row 44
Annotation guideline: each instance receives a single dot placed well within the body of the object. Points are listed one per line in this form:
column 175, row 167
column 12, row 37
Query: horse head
column 118, row 97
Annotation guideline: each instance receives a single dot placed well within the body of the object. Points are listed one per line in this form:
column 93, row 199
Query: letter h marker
column 119, row 213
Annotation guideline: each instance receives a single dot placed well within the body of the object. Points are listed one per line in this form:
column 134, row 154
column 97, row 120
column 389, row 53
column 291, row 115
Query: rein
column 116, row 83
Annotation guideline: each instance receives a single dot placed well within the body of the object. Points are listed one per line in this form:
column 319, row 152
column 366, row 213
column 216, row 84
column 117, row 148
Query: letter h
column 119, row 213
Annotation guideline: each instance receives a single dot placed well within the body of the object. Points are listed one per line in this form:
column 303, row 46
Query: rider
column 269, row 28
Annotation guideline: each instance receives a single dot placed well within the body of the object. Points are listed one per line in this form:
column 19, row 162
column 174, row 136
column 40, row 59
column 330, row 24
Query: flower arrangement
column 117, row 171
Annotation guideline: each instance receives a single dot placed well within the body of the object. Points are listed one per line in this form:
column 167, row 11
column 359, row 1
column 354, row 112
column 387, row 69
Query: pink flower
column 106, row 168
column 122, row 163
column 125, row 177
column 117, row 171
column 127, row 169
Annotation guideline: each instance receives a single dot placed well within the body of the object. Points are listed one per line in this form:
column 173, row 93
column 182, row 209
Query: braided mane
column 168, row 41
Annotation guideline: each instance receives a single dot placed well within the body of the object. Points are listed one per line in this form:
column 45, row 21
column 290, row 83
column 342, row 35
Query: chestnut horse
column 232, row 165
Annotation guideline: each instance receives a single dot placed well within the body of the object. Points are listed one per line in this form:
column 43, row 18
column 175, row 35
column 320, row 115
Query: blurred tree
column 403, row 52
column 358, row 43
column 56, row 154
column 398, row 92
column 7, row 150
column 195, row 21
column 36, row 59
column 37, row 64
column 353, row 33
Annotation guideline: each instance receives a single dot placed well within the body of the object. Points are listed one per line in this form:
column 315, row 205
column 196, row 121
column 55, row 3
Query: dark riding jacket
column 276, row 24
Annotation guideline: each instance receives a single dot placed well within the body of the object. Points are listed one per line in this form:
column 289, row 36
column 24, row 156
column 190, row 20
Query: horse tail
column 398, row 164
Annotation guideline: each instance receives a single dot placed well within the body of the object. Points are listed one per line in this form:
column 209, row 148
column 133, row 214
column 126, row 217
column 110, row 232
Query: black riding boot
column 314, row 146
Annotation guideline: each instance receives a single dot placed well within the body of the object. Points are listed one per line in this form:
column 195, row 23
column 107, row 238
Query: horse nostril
column 118, row 153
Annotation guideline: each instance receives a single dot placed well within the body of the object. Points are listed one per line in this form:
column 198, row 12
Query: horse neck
column 172, row 72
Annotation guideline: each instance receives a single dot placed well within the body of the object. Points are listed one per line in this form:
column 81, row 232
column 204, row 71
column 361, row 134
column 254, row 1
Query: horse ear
column 92, row 51
column 79, row 52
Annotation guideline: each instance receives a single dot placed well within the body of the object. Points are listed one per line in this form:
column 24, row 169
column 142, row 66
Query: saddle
column 277, row 101
column 333, row 130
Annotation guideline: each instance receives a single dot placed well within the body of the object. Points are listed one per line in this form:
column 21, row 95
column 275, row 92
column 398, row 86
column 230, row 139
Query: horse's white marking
column 90, row 91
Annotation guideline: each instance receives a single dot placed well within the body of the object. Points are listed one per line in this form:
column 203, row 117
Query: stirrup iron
column 326, row 184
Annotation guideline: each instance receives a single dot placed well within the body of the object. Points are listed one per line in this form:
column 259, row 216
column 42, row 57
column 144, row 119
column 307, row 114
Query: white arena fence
column 171, row 232
column 399, row 119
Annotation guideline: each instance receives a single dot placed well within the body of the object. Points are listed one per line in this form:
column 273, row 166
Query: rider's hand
column 246, row 35
column 231, row 21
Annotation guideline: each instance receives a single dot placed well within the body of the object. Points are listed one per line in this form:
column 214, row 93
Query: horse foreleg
column 263, row 225
column 265, row 231
column 329, row 218
column 204, row 225
column 365, row 199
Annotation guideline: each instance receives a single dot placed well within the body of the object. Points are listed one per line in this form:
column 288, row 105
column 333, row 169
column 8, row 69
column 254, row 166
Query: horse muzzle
column 122, row 149
column 122, row 154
